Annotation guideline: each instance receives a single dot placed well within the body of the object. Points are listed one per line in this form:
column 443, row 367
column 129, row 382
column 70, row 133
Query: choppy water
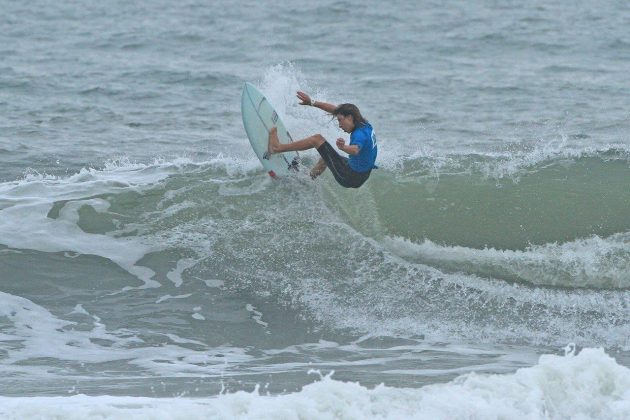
column 145, row 254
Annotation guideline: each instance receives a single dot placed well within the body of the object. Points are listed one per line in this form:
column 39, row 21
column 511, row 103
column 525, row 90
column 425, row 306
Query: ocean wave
column 556, row 201
column 589, row 385
column 413, row 263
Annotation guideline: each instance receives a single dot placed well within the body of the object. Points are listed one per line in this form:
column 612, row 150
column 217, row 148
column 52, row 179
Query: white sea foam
column 168, row 297
column 27, row 219
column 34, row 332
column 176, row 274
column 26, row 222
column 279, row 85
column 440, row 304
column 591, row 262
column 494, row 165
column 590, row 385
column 512, row 164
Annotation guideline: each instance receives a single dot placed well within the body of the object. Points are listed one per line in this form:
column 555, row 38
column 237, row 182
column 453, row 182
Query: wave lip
column 498, row 164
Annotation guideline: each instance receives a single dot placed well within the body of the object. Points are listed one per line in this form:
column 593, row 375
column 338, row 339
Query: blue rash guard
column 364, row 137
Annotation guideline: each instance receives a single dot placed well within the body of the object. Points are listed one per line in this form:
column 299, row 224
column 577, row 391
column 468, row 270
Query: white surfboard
column 258, row 118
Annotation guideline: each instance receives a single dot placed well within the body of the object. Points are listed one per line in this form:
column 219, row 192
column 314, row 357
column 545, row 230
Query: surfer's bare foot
column 274, row 141
column 317, row 170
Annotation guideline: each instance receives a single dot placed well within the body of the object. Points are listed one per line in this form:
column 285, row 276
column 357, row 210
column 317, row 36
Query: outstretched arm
column 305, row 99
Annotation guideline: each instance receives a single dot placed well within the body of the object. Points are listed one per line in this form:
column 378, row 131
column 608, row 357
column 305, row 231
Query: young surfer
column 349, row 172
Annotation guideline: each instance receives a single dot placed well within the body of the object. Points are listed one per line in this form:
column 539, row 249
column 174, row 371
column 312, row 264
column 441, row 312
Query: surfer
column 350, row 172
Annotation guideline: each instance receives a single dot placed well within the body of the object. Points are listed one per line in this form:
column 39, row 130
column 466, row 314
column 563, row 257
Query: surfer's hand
column 306, row 100
column 341, row 143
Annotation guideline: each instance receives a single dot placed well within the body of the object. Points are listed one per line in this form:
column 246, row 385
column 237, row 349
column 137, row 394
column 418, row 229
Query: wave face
column 559, row 222
column 408, row 252
column 554, row 201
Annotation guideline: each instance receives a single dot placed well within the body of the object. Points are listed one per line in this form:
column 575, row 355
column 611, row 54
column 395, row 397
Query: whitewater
column 150, row 268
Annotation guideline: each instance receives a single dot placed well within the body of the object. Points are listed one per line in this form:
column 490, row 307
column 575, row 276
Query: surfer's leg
column 312, row 142
column 318, row 169
column 340, row 168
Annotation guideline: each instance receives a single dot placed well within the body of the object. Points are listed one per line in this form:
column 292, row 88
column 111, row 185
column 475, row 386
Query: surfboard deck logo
column 258, row 118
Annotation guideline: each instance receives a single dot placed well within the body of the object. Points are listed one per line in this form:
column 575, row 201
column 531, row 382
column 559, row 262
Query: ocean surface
column 150, row 268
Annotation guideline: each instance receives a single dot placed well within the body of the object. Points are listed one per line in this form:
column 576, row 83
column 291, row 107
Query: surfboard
column 258, row 118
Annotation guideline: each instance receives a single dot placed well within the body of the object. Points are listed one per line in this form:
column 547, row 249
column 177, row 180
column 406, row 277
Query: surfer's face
column 346, row 122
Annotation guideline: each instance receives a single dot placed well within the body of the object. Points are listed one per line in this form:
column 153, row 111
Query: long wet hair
column 350, row 109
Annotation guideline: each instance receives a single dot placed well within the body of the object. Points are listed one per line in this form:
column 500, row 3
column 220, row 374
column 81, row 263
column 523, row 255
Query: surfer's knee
column 317, row 140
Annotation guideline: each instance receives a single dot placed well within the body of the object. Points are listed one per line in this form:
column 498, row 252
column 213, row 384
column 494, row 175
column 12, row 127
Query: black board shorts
column 341, row 170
